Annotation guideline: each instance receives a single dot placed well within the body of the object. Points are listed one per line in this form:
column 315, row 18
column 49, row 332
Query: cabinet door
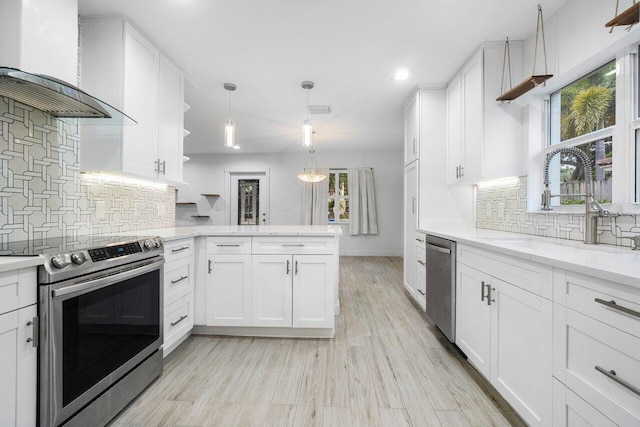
column 410, row 225
column 141, row 63
column 18, row 369
column 229, row 290
column 271, row 290
column 313, row 291
column 473, row 119
column 454, row 130
column 412, row 130
column 473, row 317
column 170, row 120
column 521, row 355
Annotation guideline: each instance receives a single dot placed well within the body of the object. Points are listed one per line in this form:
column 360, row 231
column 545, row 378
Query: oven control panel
column 115, row 251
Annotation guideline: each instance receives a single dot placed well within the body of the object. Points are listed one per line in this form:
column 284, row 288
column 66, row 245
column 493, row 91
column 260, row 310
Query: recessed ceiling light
column 236, row 147
column 401, row 74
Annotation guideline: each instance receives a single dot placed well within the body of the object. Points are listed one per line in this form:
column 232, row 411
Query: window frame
column 608, row 132
column 336, row 197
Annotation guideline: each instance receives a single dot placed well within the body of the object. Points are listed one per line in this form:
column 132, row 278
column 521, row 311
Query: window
column 338, row 196
column 583, row 115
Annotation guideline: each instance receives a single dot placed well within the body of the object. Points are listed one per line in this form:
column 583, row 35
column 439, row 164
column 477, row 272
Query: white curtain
column 362, row 202
column 315, row 204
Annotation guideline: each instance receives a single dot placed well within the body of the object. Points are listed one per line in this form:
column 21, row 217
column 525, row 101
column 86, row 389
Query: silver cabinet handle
column 612, row 304
column 612, row 376
column 156, row 166
column 223, row 245
column 184, row 248
column 35, row 339
column 179, row 320
column 457, row 172
column 164, row 167
column 173, row 282
column 489, row 290
column 461, row 171
column 289, row 245
column 296, row 271
column 438, row 248
column 288, row 269
column 421, row 262
column 422, row 293
column 419, row 240
column 209, row 266
column 482, row 291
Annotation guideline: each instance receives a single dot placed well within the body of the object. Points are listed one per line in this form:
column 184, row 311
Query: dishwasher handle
column 438, row 248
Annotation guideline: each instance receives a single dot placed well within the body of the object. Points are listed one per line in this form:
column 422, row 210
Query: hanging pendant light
column 230, row 125
column 311, row 172
column 307, row 130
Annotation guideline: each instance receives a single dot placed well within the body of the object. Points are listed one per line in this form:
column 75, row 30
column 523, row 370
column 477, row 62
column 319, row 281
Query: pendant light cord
column 229, row 105
column 539, row 26
column 307, row 106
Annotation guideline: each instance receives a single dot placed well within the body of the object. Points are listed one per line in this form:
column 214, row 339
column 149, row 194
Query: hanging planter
column 629, row 17
column 535, row 79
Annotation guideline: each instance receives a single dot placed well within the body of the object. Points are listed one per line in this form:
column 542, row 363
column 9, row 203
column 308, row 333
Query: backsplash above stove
column 43, row 194
column 503, row 207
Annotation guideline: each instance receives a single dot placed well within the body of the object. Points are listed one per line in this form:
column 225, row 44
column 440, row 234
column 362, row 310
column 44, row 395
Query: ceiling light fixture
column 230, row 125
column 307, row 131
column 311, row 171
column 401, row 74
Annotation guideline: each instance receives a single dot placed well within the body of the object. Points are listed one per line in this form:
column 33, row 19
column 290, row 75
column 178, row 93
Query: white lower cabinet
column 572, row 411
column 271, row 290
column 229, row 290
column 179, row 284
column 292, row 291
column 506, row 332
column 19, row 356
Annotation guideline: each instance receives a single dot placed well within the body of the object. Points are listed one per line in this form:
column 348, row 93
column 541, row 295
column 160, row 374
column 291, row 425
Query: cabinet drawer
column 229, row 245
column 18, row 288
column 178, row 319
column 178, row 279
column 530, row 276
column 611, row 303
column 593, row 350
column 293, row 245
column 178, row 249
column 571, row 411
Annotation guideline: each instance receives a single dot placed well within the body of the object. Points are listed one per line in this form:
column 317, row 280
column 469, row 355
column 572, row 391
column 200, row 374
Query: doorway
column 248, row 198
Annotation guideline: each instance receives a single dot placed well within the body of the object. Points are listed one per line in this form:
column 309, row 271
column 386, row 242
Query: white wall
column 206, row 174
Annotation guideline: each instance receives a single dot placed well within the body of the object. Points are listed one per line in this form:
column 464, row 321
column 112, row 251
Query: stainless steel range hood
column 58, row 98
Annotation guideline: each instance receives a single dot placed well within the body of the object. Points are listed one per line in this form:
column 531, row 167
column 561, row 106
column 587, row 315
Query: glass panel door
column 248, row 201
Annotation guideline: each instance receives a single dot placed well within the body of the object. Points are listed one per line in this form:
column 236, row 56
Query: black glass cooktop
column 60, row 244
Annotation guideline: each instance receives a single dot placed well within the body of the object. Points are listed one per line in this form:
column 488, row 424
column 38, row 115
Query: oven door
column 98, row 328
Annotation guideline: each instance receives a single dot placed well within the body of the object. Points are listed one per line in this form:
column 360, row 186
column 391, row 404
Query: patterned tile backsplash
column 504, row 207
column 43, row 194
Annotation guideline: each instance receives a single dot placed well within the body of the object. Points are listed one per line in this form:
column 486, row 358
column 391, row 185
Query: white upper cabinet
column 412, row 129
column 123, row 68
column 483, row 135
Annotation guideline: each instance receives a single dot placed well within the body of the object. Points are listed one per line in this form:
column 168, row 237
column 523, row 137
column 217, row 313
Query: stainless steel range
column 100, row 309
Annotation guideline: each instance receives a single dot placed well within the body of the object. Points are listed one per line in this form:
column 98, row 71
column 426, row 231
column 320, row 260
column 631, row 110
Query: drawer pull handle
column 482, row 291
column 36, row 332
column 173, row 282
column 179, row 320
column 421, row 292
column 296, row 272
column 288, row 269
column 222, row 245
column 612, row 304
column 421, row 262
column 420, row 240
column 612, row 376
column 184, row 248
column 293, row 245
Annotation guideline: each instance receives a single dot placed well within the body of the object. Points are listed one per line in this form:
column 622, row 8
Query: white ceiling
column 348, row 48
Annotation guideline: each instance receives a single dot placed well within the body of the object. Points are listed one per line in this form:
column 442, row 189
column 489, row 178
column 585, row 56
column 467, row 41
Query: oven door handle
column 106, row 280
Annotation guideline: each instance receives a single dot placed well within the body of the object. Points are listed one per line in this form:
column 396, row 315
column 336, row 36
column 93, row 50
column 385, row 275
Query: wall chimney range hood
column 58, row 98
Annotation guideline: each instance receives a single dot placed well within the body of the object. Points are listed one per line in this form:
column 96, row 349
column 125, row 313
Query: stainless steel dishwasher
column 441, row 284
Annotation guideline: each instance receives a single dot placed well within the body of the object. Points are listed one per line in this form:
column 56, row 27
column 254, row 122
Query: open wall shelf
column 628, row 17
column 524, row 87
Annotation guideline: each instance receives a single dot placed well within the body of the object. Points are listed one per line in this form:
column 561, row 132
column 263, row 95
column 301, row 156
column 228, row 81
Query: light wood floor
column 386, row 367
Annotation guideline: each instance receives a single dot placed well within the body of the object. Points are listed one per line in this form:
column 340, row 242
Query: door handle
column 482, row 291
column 209, row 266
column 35, row 339
column 288, row 268
column 489, row 290
column 296, row 271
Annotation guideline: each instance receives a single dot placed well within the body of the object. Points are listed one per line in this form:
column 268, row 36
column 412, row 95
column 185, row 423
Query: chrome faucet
column 593, row 208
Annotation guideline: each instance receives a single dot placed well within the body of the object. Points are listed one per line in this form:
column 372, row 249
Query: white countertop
column 175, row 233
column 607, row 262
column 9, row 263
